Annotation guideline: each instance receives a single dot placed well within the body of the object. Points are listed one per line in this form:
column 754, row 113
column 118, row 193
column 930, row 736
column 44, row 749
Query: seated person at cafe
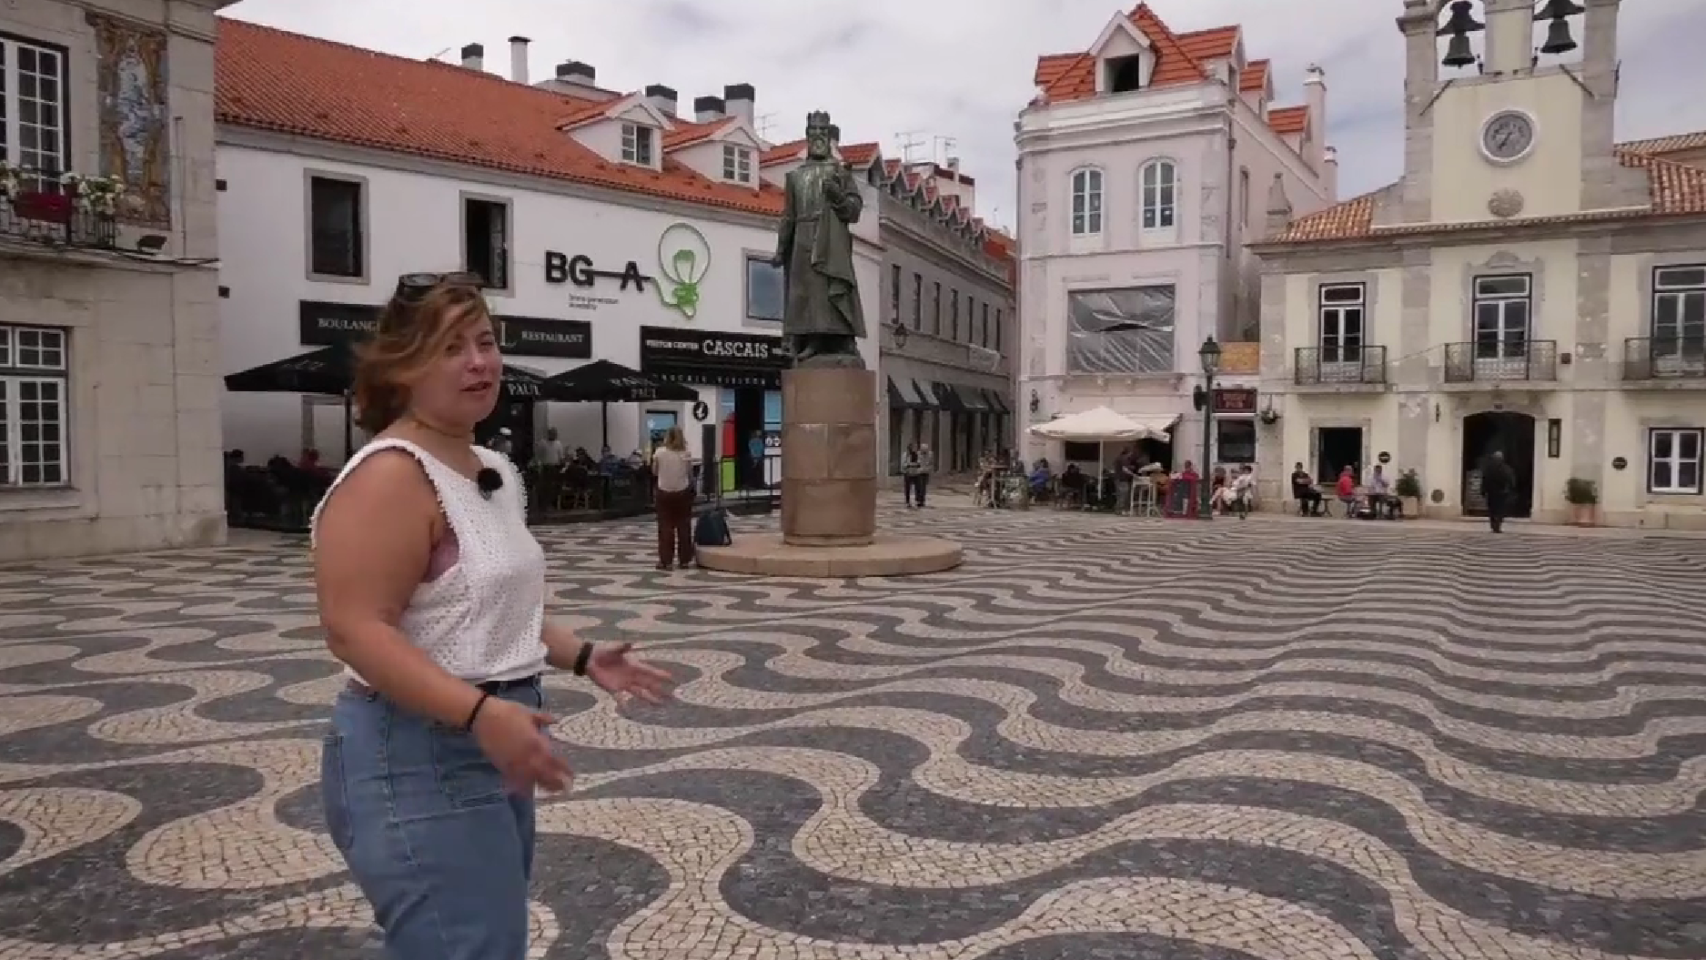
column 1041, row 474
column 1309, row 502
column 1380, row 496
column 1346, row 489
column 1241, row 498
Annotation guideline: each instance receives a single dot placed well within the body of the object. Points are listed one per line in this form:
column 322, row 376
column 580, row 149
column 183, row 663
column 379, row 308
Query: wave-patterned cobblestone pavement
column 1099, row 738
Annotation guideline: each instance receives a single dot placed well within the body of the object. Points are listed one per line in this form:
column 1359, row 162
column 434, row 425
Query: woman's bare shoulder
column 386, row 483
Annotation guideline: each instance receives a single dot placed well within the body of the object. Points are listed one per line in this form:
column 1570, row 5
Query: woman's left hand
column 612, row 668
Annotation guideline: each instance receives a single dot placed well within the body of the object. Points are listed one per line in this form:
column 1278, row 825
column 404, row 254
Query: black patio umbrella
column 330, row 371
column 604, row 382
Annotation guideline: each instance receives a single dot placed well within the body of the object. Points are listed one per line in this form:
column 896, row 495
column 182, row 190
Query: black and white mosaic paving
column 1099, row 738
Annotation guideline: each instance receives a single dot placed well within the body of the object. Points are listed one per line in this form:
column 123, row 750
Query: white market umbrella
column 1099, row 425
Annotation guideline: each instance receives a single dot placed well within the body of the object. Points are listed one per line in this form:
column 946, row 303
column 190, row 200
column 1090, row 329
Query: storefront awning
column 972, row 398
column 946, row 398
column 903, row 394
column 997, row 403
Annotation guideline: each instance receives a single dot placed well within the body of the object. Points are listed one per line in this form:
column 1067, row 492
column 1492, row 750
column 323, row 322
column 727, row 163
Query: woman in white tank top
column 432, row 592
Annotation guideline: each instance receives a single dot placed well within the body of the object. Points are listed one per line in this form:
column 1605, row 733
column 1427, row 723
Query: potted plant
column 1583, row 497
column 1409, row 489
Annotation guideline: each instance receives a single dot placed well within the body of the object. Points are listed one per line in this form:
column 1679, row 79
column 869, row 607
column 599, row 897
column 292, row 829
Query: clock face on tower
column 1507, row 136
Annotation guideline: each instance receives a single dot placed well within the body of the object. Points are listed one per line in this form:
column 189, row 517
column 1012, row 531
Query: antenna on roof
column 441, row 53
column 764, row 122
column 909, row 142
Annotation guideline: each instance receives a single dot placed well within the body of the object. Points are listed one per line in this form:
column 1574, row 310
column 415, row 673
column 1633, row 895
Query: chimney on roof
column 1315, row 95
column 1279, row 207
column 574, row 71
column 518, row 59
column 474, row 57
column 707, row 109
column 1330, row 172
column 739, row 99
column 954, row 167
column 662, row 98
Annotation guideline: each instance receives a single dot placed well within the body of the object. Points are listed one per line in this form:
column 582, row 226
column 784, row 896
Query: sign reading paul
column 684, row 257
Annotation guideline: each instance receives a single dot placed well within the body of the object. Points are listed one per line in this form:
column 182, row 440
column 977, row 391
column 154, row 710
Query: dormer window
column 1124, row 74
column 638, row 143
column 737, row 163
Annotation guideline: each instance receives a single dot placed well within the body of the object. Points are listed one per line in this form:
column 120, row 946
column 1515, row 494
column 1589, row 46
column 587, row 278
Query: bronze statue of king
column 822, row 317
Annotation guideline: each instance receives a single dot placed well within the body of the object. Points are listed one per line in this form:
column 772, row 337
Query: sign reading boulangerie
column 324, row 324
column 712, row 358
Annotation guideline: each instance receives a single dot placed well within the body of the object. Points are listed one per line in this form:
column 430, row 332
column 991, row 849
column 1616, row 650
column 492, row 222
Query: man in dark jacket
column 1498, row 482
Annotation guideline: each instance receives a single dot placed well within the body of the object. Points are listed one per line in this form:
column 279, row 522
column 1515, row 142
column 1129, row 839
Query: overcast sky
column 962, row 69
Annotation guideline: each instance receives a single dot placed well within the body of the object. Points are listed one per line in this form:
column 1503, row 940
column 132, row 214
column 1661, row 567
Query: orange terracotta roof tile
column 1675, row 143
column 1677, row 190
column 1288, row 120
column 1215, row 43
column 686, row 133
column 1065, row 77
column 1255, row 76
column 267, row 79
column 858, row 154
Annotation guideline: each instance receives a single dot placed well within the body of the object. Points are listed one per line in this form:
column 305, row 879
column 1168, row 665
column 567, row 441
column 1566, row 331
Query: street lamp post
column 1210, row 357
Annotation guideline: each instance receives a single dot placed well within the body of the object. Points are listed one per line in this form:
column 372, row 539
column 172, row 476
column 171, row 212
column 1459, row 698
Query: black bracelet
column 583, row 658
column 474, row 713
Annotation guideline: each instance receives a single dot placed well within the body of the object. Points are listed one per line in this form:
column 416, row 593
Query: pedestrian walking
column 1498, row 483
column 432, row 593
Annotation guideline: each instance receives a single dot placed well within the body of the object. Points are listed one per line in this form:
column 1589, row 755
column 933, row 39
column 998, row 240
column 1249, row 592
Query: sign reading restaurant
column 324, row 324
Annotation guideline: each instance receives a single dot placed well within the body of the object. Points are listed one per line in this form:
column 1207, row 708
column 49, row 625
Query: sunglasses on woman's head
column 413, row 286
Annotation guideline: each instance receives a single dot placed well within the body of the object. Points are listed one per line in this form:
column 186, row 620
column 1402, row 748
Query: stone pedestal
column 829, row 457
column 829, row 492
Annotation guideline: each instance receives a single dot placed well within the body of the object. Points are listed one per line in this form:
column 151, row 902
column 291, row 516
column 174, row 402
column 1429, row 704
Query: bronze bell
column 1461, row 22
column 1559, row 9
column 1558, row 39
column 1457, row 52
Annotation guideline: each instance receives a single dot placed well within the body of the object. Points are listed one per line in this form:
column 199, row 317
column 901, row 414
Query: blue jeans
column 421, row 817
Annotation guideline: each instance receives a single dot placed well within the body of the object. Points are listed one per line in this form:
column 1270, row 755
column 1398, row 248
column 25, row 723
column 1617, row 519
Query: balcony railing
column 1501, row 360
column 54, row 219
column 1664, row 358
column 1340, row 365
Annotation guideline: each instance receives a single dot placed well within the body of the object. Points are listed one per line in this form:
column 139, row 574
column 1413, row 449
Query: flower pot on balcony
column 48, row 207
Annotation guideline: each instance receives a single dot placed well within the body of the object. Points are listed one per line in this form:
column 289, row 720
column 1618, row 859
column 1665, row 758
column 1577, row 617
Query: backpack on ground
column 712, row 528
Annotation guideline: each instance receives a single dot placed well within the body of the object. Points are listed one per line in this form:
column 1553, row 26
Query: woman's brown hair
column 412, row 332
column 674, row 440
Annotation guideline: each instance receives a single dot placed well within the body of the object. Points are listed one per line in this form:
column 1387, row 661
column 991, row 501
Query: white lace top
column 484, row 617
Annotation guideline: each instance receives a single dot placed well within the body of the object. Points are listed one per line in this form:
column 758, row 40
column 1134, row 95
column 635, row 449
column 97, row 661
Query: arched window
column 1160, row 195
column 1086, row 202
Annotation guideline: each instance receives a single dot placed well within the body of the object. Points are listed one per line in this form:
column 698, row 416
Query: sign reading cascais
column 324, row 324
column 712, row 358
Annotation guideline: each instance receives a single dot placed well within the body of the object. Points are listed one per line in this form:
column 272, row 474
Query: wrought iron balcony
column 1501, row 360
column 55, row 220
column 1340, row 365
column 1664, row 358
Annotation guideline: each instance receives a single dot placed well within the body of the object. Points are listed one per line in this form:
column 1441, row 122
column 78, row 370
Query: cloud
column 961, row 69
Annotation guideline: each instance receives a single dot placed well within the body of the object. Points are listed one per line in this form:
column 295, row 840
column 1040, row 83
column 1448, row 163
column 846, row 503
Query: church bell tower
column 1508, row 110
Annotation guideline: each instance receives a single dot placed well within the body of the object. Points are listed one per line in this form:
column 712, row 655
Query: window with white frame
column 1086, row 202
column 33, row 103
column 1502, row 309
column 737, row 163
column 637, row 144
column 1342, row 310
column 1160, row 195
column 1679, row 311
column 34, row 407
column 1673, row 459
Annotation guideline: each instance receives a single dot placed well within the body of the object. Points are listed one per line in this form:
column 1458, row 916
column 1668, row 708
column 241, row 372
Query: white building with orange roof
column 1144, row 160
column 607, row 225
column 1529, row 287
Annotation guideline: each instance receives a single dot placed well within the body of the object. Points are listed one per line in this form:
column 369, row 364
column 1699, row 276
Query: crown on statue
column 817, row 119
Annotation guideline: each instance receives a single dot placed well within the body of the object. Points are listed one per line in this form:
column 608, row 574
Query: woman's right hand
column 513, row 738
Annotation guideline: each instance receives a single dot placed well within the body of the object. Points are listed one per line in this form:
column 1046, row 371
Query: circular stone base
column 885, row 556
